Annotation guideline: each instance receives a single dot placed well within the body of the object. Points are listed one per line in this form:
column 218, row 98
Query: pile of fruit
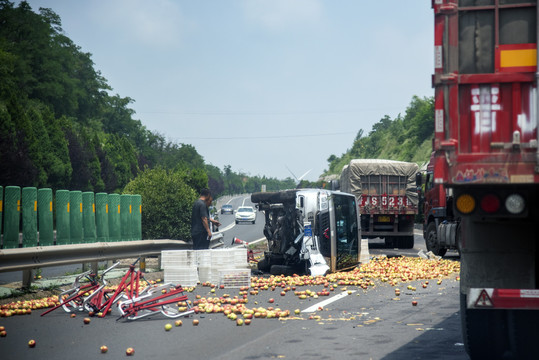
column 387, row 270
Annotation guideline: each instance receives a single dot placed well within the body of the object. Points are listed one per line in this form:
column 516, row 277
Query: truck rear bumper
column 490, row 298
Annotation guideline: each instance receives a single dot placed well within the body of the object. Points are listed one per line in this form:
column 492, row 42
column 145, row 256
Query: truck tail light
column 465, row 203
column 490, row 203
column 515, row 204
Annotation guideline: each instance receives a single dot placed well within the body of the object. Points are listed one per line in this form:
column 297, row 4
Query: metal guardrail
column 44, row 256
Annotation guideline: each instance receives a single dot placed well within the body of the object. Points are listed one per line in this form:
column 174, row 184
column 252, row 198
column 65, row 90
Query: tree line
column 405, row 138
column 61, row 126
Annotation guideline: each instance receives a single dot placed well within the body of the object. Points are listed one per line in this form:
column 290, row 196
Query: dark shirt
column 200, row 210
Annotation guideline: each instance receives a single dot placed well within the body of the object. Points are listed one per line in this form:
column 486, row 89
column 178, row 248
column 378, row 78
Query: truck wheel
column 390, row 242
column 406, row 242
column 484, row 331
column 263, row 265
column 281, row 270
column 432, row 240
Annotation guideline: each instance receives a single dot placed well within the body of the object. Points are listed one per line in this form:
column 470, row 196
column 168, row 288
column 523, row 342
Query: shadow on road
column 431, row 345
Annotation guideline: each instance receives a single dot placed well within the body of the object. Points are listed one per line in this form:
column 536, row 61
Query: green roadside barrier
column 125, row 217
column 63, row 232
column 136, row 228
column 75, row 217
column 102, row 216
column 45, row 217
column 12, row 210
column 88, row 217
column 78, row 217
column 115, row 230
column 29, row 216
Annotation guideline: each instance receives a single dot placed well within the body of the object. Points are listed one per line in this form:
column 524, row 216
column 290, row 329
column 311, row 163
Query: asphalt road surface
column 366, row 324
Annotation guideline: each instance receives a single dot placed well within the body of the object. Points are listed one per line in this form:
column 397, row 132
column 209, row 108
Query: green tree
column 166, row 203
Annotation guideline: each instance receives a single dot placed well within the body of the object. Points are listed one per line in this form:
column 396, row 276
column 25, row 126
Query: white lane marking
column 256, row 241
column 326, row 302
column 228, row 227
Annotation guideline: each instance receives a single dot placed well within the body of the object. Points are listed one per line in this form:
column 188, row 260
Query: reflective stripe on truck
column 490, row 298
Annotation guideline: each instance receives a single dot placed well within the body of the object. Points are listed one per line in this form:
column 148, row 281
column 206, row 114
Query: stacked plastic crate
column 180, row 267
column 228, row 267
column 232, row 272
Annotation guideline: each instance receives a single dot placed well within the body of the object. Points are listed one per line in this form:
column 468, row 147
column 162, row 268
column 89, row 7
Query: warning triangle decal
column 483, row 300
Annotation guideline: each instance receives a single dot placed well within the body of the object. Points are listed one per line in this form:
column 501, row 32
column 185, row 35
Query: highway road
column 365, row 324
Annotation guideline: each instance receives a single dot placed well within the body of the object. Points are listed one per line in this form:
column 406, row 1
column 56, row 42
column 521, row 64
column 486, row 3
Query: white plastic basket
column 178, row 258
column 187, row 276
column 239, row 255
column 235, row 278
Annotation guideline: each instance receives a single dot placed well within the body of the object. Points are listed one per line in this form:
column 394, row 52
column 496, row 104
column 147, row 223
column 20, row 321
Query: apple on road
column 32, row 343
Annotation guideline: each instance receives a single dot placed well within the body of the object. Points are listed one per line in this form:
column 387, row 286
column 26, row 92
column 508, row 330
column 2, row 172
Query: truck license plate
column 384, row 219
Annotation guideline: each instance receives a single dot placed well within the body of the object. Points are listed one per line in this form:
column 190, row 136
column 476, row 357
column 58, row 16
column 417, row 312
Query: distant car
column 245, row 214
column 227, row 209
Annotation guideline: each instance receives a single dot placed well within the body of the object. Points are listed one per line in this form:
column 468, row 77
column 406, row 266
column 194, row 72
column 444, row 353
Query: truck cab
column 309, row 231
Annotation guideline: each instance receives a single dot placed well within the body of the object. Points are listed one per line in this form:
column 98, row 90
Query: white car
column 245, row 213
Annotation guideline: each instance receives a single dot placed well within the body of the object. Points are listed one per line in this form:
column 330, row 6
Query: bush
column 166, row 203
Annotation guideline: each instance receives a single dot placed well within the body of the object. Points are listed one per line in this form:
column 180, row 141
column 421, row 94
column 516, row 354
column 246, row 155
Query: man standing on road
column 200, row 221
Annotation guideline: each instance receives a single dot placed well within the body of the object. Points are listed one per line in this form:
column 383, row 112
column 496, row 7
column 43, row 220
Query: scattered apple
column 178, row 323
column 271, row 300
column 297, row 311
column 31, row 343
column 104, row 349
column 73, row 315
column 86, row 320
column 239, row 322
column 414, row 303
column 3, row 333
column 168, row 327
column 247, row 321
column 130, row 351
column 195, row 322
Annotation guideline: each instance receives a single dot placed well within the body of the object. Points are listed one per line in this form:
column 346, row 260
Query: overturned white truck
column 309, row 231
column 387, row 197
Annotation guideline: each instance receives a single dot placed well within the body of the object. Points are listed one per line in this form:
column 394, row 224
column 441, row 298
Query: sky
column 265, row 86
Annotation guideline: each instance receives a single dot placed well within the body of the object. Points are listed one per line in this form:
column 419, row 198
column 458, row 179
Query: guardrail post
column 102, row 216
column 63, row 232
column 88, row 217
column 44, row 215
column 29, row 216
column 12, row 210
column 27, row 277
column 125, row 216
column 75, row 216
column 136, row 228
column 115, row 230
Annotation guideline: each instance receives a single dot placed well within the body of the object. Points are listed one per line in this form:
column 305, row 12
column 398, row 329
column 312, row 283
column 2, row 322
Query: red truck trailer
column 387, row 198
column 486, row 153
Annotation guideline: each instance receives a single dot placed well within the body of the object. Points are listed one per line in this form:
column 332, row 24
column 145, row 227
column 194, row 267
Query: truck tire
column 483, row 331
column 406, row 242
column 281, row 269
column 264, row 265
column 432, row 240
column 390, row 242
